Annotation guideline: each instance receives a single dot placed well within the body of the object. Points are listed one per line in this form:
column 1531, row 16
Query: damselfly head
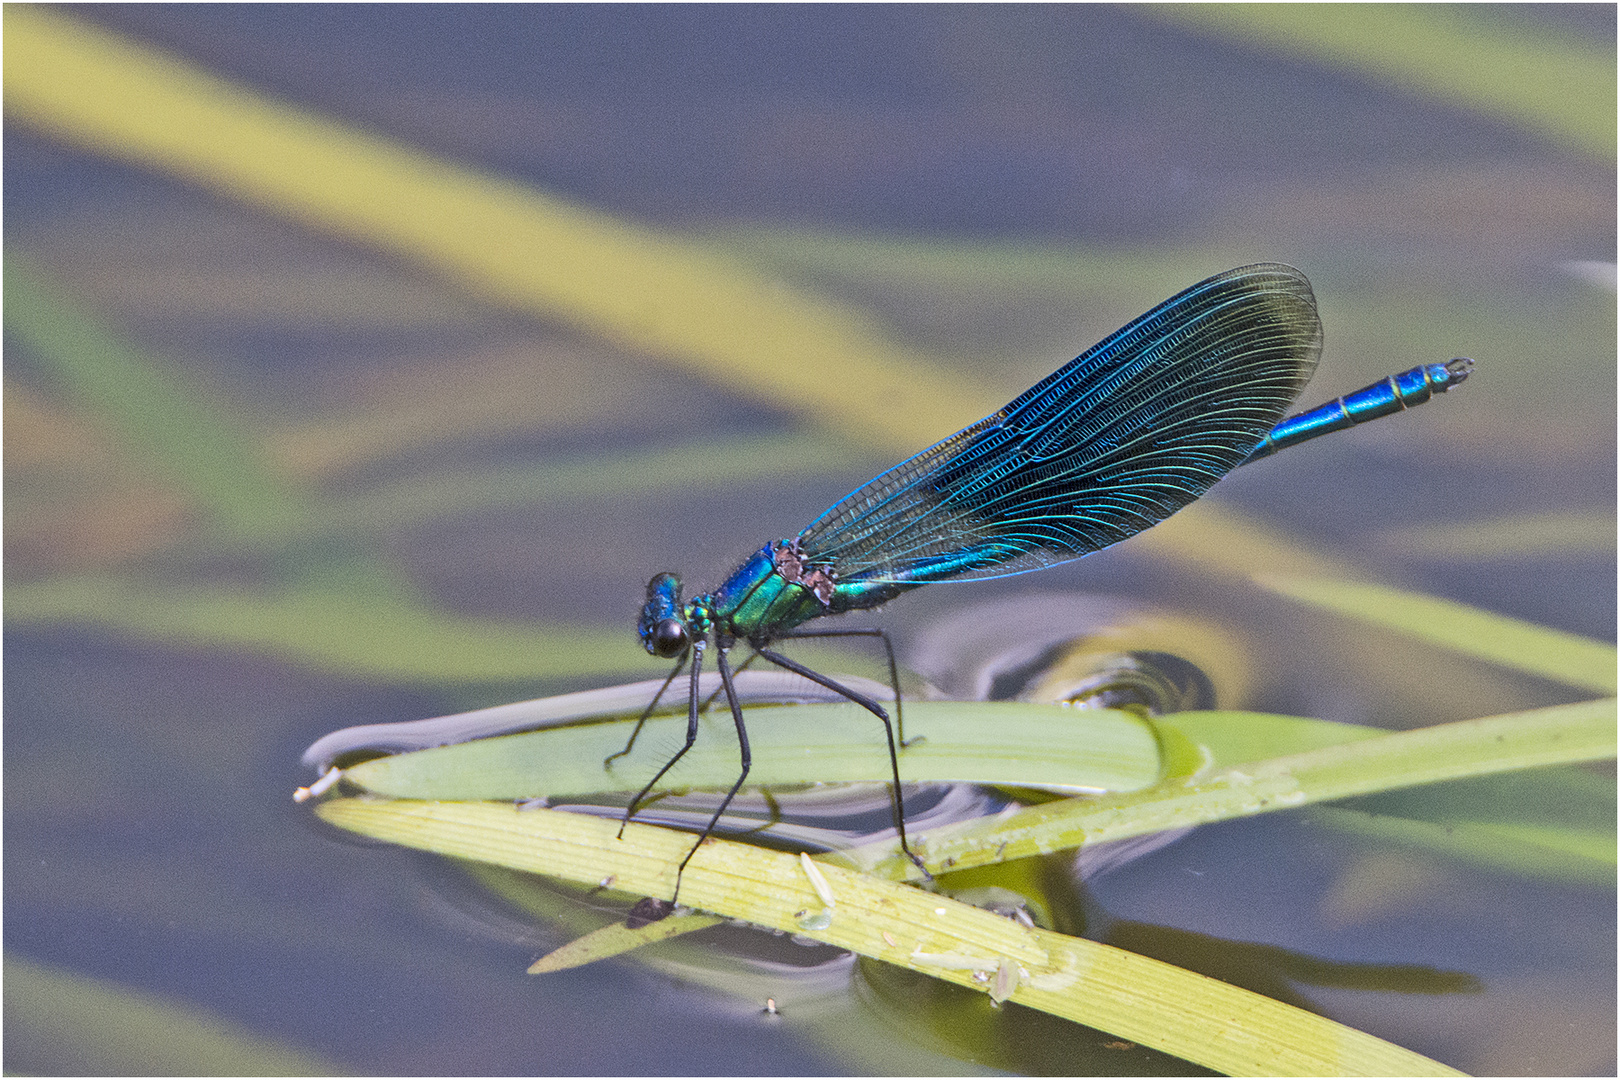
column 663, row 631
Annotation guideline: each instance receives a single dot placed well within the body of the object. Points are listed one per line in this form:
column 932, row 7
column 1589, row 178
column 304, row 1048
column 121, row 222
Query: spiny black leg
column 607, row 762
column 747, row 759
column 898, row 800
column 894, row 670
column 691, row 736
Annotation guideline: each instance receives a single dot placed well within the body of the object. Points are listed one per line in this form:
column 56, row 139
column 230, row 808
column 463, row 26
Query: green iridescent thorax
column 778, row 589
column 758, row 601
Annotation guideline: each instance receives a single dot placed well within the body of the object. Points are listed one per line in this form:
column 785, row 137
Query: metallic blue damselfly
column 1113, row 442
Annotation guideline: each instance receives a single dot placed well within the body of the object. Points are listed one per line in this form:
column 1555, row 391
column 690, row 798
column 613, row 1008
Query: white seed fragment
column 1006, row 981
column 319, row 787
column 818, row 881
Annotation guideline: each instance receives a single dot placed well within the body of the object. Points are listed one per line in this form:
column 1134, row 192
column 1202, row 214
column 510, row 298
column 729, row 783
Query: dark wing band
column 1120, row 438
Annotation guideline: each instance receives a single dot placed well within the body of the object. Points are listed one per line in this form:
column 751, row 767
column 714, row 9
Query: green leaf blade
column 975, row 742
column 1553, row 736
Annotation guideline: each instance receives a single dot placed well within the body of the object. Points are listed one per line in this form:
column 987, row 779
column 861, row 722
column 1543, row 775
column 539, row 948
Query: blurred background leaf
column 58, row 1023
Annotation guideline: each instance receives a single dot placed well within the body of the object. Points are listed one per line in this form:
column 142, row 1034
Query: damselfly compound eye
column 669, row 638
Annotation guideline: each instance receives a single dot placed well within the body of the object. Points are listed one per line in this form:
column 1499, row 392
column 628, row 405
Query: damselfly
column 1116, row 440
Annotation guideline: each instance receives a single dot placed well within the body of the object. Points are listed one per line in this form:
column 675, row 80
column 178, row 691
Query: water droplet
column 819, row 921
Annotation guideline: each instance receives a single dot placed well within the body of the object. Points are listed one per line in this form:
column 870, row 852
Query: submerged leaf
column 1532, row 850
column 1498, row 639
column 619, row 937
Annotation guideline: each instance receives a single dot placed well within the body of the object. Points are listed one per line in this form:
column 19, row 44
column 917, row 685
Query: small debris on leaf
column 648, row 910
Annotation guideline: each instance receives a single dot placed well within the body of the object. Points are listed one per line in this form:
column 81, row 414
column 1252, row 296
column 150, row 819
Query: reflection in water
column 1085, row 649
column 816, row 818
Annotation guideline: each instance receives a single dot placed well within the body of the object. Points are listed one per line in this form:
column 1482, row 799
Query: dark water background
column 895, row 160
